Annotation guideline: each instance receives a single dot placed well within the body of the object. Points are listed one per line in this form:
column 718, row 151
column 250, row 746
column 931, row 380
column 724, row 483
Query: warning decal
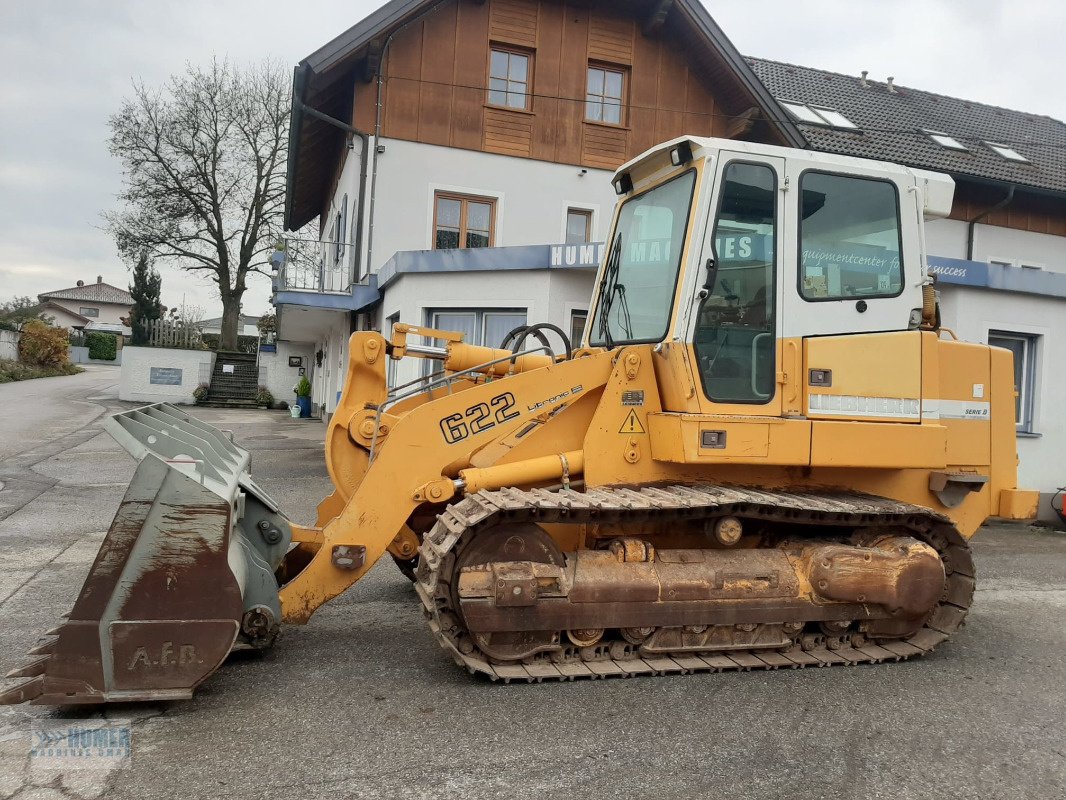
column 632, row 424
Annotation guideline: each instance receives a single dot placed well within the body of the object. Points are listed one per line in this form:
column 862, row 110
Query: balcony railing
column 309, row 266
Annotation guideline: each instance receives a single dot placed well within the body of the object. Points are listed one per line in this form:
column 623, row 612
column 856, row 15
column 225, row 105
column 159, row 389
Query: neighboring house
column 89, row 306
column 248, row 326
column 500, row 124
column 1001, row 257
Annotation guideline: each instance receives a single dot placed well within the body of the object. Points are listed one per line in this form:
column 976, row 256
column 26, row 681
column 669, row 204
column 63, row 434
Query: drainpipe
column 1006, row 201
column 377, row 126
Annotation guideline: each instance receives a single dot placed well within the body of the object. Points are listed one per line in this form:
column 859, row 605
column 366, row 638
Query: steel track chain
column 486, row 508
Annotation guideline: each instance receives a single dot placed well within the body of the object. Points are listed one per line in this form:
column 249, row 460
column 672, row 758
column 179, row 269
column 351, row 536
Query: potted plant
column 303, row 396
column 263, row 397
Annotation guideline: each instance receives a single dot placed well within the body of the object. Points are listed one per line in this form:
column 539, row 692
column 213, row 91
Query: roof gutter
column 972, row 224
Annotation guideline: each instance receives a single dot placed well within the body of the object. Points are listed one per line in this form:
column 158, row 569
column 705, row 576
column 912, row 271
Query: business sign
column 165, row 376
column 959, row 271
column 577, row 255
column 754, row 247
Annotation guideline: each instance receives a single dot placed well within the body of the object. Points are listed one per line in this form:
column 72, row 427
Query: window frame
column 774, row 275
column 958, row 147
column 339, row 225
column 89, row 311
column 799, row 239
column 817, row 111
column 690, row 222
column 1026, row 392
column 581, row 212
column 623, row 103
column 575, row 313
column 511, row 50
column 999, row 149
column 480, row 314
column 464, row 199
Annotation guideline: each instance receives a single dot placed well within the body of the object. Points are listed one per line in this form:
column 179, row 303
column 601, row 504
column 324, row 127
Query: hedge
column 14, row 371
column 102, row 346
column 42, row 345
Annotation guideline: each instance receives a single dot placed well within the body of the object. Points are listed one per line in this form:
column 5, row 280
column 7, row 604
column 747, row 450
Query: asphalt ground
column 362, row 703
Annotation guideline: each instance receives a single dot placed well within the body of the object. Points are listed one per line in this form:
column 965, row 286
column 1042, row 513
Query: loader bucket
column 184, row 575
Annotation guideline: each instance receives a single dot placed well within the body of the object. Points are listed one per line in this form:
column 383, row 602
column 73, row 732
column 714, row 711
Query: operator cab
column 736, row 248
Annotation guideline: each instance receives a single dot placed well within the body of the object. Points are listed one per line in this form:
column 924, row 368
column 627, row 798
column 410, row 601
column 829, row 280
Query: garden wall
column 163, row 374
column 9, row 345
column 80, row 355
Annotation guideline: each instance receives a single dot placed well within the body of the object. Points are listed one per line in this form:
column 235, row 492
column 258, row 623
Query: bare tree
column 204, row 164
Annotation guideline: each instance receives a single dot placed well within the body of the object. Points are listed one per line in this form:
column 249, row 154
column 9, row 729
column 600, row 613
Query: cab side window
column 734, row 337
column 849, row 238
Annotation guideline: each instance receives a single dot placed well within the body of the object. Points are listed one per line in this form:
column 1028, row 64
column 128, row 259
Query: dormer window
column 946, row 141
column 818, row 115
column 1008, row 153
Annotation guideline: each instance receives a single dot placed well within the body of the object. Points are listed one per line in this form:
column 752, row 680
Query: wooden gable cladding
column 513, row 22
column 508, row 132
column 611, row 37
column 604, row 146
column 1027, row 212
column 436, row 81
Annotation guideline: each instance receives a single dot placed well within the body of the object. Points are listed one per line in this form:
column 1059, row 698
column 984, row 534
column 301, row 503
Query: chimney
column 81, row 283
column 891, row 87
column 862, row 79
column 100, row 278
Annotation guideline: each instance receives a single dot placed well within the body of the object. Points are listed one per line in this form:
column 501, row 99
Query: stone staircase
column 234, row 388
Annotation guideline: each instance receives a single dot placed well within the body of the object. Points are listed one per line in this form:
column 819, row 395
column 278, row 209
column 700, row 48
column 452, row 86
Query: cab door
column 735, row 322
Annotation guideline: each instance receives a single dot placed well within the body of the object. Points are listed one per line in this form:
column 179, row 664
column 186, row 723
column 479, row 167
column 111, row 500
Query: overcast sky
column 67, row 64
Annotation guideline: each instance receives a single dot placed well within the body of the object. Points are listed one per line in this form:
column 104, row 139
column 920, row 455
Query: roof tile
column 891, row 125
column 91, row 292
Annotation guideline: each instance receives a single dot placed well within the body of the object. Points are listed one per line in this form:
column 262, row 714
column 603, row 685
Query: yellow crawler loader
column 766, row 452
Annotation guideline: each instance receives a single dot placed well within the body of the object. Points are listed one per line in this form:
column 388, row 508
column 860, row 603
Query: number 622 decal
column 478, row 418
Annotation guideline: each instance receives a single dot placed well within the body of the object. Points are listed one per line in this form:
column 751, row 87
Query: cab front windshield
column 636, row 290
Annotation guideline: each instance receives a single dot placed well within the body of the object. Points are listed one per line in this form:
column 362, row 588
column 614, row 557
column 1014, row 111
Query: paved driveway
column 362, row 703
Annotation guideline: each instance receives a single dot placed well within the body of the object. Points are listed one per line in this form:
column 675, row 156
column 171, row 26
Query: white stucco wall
column 109, row 312
column 531, row 196
column 545, row 295
column 276, row 374
column 947, row 237
column 135, row 380
column 60, row 318
column 9, row 345
column 971, row 313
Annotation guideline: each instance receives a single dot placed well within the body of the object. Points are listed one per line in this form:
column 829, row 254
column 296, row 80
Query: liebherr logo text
column 553, row 400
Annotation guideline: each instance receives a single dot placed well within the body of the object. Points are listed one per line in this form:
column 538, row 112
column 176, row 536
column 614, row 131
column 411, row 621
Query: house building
column 89, row 306
column 1001, row 256
column 247, row 325
column 458, row 155
column 494, row 126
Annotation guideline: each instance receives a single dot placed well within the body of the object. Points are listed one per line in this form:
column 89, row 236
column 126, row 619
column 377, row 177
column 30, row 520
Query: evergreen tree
column 146, row 287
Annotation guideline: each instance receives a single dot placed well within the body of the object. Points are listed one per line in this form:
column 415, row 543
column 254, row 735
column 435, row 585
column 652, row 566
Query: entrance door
column 737, row 319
